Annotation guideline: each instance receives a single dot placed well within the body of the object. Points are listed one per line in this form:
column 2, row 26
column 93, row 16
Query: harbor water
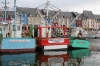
column 73, row 57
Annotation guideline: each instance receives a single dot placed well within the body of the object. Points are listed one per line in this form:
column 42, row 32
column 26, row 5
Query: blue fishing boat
column 11, row 36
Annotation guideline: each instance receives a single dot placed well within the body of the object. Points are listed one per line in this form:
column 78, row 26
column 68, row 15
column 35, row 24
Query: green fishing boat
column 76, row 42
column 79, row 43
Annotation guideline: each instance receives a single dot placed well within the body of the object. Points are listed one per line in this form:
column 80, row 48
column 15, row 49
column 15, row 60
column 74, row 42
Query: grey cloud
column 68, row 4
column 58, row 3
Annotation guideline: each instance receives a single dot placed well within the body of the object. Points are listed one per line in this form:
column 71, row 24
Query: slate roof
column 75, row 14
column 33, row 12
column 65, row 14
column 10, row 14
column 97, row 17
column 50, row 12
column 88, row 14
column 26, row 10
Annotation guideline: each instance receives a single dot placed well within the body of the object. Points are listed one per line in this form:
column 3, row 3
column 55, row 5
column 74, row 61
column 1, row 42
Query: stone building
column 87, row 18
column 9, row 16
column 65, row 18
column 97, row 22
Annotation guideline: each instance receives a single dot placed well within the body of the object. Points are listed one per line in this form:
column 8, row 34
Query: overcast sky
column 64, row 5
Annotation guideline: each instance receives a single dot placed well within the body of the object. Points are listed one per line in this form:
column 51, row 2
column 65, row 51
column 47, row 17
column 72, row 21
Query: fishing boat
column 50, row 37
column 12, row 39
column 53, row 58
column 78, row 43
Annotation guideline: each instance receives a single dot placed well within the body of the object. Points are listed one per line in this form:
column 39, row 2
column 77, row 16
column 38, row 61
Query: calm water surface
column 80, row 57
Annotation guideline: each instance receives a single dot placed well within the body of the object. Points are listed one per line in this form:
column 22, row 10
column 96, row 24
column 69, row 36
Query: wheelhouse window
column 14, row 27
column 4, row 28
column 18, row 27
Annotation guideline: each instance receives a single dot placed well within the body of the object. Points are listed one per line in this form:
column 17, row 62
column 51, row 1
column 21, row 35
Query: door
column 18, row 31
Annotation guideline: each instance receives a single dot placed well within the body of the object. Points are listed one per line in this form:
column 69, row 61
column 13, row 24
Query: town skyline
column 65, row 5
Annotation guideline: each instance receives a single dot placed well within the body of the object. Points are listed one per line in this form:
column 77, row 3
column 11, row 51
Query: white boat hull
column 52, row 47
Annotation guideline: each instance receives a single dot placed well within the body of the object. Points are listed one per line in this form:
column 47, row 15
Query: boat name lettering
column 19, row 40
column 55, row 40
column 81, row 42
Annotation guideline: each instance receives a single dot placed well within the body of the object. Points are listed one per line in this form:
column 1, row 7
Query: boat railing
column 52, row 31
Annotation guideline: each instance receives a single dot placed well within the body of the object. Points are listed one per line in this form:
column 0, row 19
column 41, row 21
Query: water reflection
column 26, row 59
column 64, row 58
column 77, row 57
column 54, row 58
column 47, row 58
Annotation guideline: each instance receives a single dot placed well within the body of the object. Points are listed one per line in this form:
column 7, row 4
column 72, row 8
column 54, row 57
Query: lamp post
column 5, row 8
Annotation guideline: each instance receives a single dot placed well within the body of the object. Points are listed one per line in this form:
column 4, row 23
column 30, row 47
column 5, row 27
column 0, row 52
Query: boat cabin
column 8, row 30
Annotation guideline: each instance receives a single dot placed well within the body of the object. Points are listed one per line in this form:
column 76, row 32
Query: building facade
column 86, row 20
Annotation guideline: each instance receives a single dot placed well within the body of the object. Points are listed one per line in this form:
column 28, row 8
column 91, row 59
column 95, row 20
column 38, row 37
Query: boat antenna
column 5, row 7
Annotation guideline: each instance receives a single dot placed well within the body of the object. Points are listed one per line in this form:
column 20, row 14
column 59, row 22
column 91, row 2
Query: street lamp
column 5, row 8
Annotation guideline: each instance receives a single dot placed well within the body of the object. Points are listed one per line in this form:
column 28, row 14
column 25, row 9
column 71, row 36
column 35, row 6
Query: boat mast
column 5, row 7
column 14, row 18
column 47, row 4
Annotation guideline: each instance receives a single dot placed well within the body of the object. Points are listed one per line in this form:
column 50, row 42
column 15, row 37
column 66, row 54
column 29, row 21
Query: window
column 4, row 28
column 14, row 27
column 18, row 27
column 9, row 16
column 9, row 27
column 2, row 13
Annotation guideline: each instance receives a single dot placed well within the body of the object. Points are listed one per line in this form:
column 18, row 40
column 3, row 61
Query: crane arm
column 40, row 15
column 55, row 15
column 74, row 20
